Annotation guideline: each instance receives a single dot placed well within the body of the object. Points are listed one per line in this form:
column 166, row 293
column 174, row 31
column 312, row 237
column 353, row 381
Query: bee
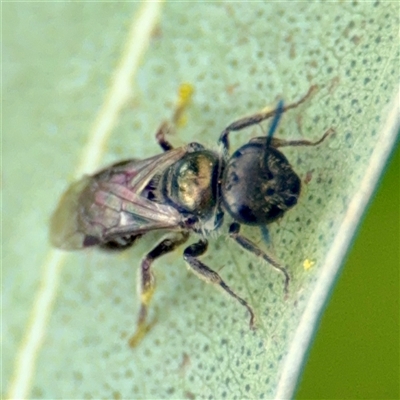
column 184, row 190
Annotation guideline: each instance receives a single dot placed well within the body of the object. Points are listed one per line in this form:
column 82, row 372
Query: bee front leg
column 207, row 274
column 259, row 117
column 276, row 142
column 147, row 283
column 248, row 245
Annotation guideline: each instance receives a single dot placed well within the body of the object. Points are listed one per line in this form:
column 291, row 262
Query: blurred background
column 355, row 354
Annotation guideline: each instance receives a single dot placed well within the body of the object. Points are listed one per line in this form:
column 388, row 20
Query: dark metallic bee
column 185, row 189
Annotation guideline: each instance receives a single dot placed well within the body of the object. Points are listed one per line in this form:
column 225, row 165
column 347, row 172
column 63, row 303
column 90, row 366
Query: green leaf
column 68, row 316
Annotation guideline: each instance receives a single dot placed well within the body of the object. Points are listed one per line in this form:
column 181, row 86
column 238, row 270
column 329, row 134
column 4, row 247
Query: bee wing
column 120, row 211
column 108, row 204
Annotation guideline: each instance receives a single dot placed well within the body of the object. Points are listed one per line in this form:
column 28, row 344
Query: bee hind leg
column 147, row 283
column 207, row 274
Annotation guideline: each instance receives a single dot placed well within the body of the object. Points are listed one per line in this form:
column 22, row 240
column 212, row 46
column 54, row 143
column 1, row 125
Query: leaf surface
column 59, row 63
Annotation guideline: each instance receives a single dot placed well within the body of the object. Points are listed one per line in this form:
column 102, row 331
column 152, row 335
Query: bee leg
column 190, row 255
column 253, row 248
column 147, row 283
column 259, row 117
column 163, row 130
column 276, row 142
column 184, row 98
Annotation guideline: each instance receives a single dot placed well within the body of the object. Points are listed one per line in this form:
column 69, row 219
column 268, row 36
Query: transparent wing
column 108, row 204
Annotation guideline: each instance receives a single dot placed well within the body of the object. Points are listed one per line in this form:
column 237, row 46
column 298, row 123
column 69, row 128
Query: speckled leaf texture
column 67, row 316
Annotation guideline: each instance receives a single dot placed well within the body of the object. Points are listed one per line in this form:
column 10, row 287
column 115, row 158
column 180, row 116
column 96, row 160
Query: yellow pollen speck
column 185, row 94
column 186, row 91
column 147, row 295
column 308, row 264
column 267, row 109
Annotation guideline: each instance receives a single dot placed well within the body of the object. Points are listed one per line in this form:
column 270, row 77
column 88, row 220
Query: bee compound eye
column 291, row 201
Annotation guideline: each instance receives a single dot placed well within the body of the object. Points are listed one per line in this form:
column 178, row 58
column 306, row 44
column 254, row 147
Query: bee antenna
column 274, row 124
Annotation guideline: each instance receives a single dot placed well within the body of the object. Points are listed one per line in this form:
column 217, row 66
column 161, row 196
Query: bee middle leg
column 207, row 274
column 259, row 117
column 248, row 245
column 147, row 283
